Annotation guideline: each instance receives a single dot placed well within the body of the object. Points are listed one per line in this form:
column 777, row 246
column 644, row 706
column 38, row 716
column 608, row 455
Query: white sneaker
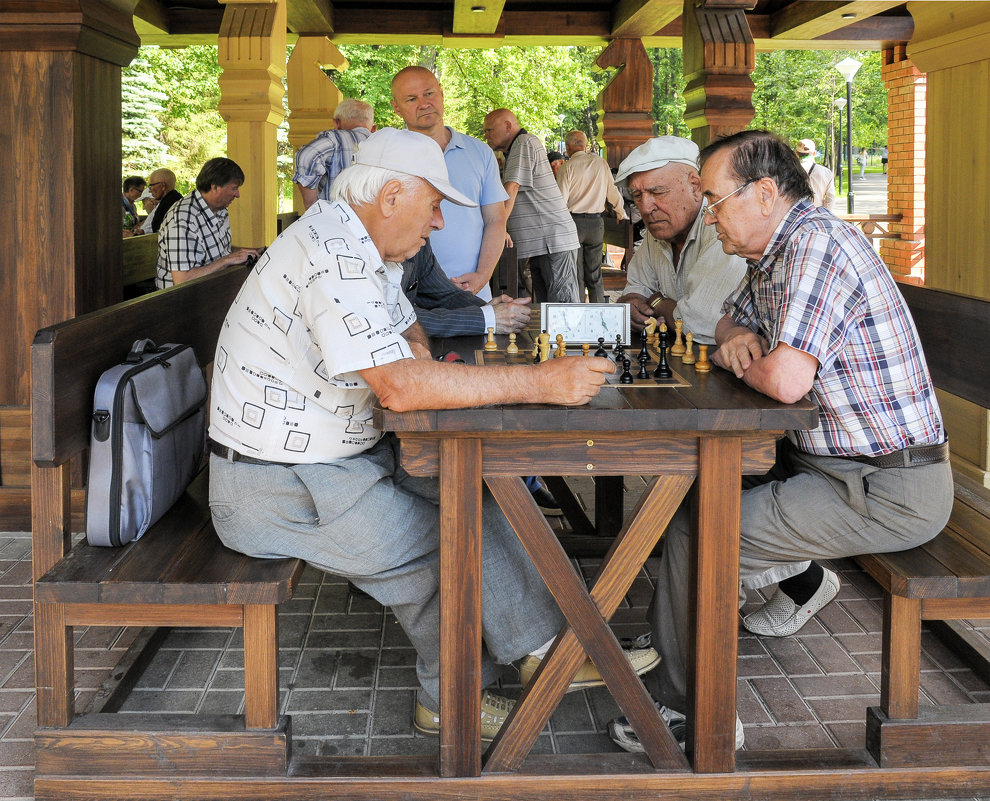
column 780, row 616
column 622, row 733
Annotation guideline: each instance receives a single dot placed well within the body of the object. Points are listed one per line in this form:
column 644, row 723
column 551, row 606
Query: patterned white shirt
column 318, row 306
column 192, row 235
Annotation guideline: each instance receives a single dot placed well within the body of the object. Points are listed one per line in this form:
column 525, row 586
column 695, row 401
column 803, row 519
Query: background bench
column 947, row 579
column 178, row 574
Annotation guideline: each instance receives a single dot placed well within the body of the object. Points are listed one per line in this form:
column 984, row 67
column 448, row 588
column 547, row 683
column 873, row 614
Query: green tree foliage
column 141, row 107
column 668, row 91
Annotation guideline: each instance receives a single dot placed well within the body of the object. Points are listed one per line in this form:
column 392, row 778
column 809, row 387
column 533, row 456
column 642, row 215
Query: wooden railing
column 874, row 226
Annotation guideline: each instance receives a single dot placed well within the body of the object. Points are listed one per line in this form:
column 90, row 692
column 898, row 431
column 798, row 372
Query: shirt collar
column 783, row 233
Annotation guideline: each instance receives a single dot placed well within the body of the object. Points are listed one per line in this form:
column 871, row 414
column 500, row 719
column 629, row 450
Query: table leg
column 460, row 607
column 712, row 692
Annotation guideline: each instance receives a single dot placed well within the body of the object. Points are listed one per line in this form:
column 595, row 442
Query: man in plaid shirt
column 194, row 239
column 818, row 313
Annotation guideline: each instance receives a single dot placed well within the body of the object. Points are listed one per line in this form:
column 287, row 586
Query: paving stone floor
column 348, row 676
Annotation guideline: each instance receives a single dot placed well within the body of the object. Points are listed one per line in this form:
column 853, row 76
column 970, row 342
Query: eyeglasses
column 155, row 183
column 709, row 210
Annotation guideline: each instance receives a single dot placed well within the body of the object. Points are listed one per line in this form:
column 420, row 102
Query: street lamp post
column 561, row 118
column 840, row 103
column 848, row 68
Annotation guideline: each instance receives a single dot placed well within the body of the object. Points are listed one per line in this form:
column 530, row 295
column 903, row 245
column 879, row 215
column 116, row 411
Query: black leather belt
column 233, row 456
column 585, row 214
column 915, row 456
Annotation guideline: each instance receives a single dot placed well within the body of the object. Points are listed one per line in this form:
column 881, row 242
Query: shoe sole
column 436, row 733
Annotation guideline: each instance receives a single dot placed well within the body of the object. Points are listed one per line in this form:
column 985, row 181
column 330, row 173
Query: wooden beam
column 150, row 16
column 635, row 18
column 474, row 17
column 309, row 16
column 810, row 20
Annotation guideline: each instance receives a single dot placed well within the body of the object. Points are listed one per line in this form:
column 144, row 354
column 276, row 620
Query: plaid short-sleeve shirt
column 192, row 235
column 821, row 288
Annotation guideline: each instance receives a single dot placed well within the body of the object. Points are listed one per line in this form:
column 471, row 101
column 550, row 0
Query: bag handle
column 138, row 349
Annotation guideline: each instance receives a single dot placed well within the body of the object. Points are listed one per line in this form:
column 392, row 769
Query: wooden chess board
column 526, row 357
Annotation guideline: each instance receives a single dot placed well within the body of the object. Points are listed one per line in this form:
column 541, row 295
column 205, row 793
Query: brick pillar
column 906, row 104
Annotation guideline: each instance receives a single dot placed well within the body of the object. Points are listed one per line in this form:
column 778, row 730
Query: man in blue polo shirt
column 469, row 246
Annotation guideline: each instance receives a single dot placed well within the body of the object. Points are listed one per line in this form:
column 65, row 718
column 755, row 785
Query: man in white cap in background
column 680, row 272
column 319, row 332
column 821, row 178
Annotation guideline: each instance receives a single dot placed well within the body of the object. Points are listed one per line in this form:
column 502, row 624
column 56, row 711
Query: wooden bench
column 948, row 578
column 178, row 574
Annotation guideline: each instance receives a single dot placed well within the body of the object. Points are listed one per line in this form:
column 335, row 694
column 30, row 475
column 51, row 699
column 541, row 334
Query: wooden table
column 705, row 435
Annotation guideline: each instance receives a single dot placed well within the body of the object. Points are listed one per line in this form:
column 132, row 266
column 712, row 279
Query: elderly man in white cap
column 319, row 331
column 680, row 272
column 821, row 178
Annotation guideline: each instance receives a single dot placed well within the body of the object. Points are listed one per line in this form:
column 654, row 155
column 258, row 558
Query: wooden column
column 251, row 51
column 60, row 211
column 313, row 97
column 627, row 100
column 719, row 57
column 906, row 121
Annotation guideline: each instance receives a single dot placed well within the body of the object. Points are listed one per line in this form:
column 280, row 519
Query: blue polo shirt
column 473, row 172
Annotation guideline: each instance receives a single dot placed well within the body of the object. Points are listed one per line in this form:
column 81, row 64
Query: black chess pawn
column 643, row 359
column 626, row 377
column 601, row 348
column 663, row 369
column 620, row 351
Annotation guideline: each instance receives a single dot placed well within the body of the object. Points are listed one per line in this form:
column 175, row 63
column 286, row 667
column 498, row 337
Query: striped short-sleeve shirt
column 192, row 235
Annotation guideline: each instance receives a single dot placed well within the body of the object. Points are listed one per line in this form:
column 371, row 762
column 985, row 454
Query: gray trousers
column 554, row 277
column 807, row 507
column 365, row 518
column 591, row 235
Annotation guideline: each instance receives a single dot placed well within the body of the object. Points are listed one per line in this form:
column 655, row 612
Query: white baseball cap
column 655, row 153
column 410, row 153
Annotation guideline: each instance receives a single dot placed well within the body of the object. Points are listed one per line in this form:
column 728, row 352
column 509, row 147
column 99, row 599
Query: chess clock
column 586, row 322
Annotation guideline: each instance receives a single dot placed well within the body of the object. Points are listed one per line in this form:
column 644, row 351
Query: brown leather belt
column 233, row 456
column 914, row 456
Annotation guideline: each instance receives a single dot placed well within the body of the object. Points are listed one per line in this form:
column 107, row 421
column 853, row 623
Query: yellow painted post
column 313, row 97
column 251, row 52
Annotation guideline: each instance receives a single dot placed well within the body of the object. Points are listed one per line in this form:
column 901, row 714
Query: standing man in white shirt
column 585, row 183
column 821, row 178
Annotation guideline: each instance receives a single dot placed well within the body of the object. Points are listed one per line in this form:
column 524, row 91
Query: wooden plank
column 943, row 736
column 142, row 614
column 99, row 745
column 15, row 446
column 715, row 587
column 260, row 666
column 900, row 662
column 966, row 643
column 140, row 258
column 460, row 607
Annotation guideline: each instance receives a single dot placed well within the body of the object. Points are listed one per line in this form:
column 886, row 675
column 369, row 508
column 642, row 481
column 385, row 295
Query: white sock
column 541, row 652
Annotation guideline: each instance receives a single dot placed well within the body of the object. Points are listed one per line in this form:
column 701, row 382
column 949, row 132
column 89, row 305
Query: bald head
column 418, row 99
column 501, row 127
column 161, row 182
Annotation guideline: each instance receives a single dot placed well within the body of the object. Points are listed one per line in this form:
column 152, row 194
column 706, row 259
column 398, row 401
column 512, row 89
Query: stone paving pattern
column 348, row 671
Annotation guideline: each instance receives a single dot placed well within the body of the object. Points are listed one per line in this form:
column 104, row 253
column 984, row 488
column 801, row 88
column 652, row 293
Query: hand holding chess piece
column 490, row 342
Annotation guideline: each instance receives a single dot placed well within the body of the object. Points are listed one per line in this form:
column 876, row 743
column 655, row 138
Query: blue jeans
column 368, row 520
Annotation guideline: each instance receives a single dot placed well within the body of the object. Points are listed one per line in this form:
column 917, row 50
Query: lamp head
column 848, row 68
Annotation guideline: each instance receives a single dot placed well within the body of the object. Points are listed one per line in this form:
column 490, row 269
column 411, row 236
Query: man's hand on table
column 511, row 314
column 572, row 382
column 739, row 350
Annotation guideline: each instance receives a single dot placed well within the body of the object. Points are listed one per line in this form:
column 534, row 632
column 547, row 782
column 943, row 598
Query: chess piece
column 643, row 359
column 650, row 329
column 677, row 349
column 536, row 353
column 585, row 349
column 601, row 348
column 643, row 352
column 490, row 342
column 626, row 377
column 688, row 357
column 513, row 348
column 663, row 369
column 620, row 351
column 703, row 365
column 561, row 347
column 544, row 340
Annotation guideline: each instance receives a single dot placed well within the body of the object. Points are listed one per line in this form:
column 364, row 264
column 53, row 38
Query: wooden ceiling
column 775, row 24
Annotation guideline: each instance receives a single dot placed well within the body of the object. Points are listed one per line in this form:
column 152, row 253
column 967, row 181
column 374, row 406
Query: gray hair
column 360, row 184
column 577, row 139
column 355, row 111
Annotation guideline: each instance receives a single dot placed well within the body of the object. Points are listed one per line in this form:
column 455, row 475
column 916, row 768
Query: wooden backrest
column 955, row 333
column 68, row 359
column 140, row 255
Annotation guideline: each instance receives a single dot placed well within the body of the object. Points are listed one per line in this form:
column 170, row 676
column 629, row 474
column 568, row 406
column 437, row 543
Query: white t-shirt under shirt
column 318, row 306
